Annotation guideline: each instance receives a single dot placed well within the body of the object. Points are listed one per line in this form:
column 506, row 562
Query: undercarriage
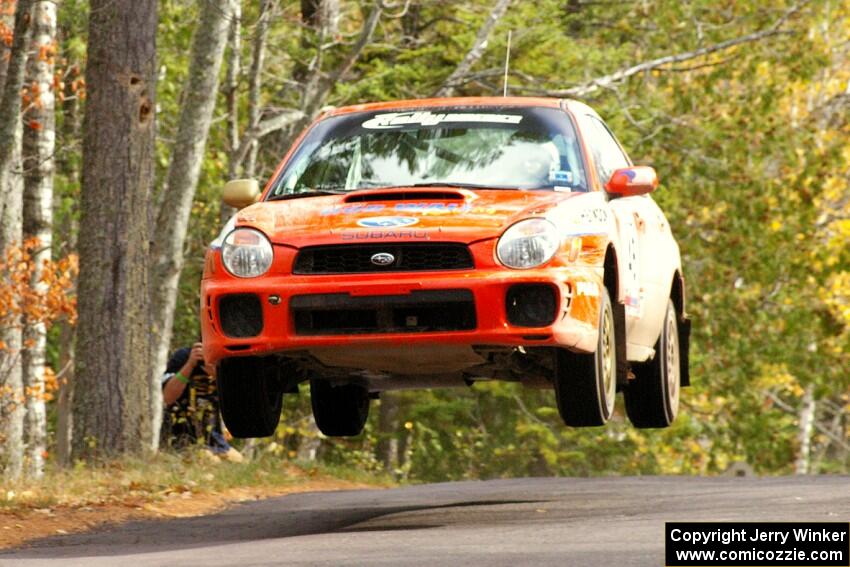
column 427, row 366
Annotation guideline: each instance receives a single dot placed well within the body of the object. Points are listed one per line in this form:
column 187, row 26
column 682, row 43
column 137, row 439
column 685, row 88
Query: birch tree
column 11, row 188
column 231, row 87
column 476, row 51
column 231, row 92
column 172, row 222
column 111, row 409
column 317, row 84
column 38, row 147
column 258, row 55
column 242, row 157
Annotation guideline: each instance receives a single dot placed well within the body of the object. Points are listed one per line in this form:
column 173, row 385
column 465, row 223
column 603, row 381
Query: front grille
column 356, row 258
column 417, row 312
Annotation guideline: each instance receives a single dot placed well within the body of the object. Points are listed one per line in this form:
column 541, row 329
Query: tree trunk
column 111, row 409
column 410, row 26
column 13, row 404
column 65, row 399
column 317, row 85
column 308, row 448
column 11, row 188
column 231, row 89
column 324, row 14
column 804, row 436
column 388, row 431
column 65, row 165
column 10, row 109
column 319, row 20
column 38, row 146
column 255, row 79
column 172, row 223
column 476, row 51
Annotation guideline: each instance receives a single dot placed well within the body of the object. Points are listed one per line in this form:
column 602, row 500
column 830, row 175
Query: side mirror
column 240, row 193
column 631, row 181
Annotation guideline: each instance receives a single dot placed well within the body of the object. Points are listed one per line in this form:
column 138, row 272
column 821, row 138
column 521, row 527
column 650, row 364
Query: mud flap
column 620, row 336
column 684, row 328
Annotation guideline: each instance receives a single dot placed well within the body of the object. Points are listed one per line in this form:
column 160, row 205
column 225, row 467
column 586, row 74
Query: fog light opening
column 241, row 315
column 531, row 305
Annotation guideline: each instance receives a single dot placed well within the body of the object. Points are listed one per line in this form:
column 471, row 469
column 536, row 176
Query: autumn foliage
column 24, row 301
column 750, row 141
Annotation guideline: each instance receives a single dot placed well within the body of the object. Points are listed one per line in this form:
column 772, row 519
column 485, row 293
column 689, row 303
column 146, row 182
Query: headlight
column 246, row 253
column 528, row 244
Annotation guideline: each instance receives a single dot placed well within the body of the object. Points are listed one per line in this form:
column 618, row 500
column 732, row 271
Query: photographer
column 191, row 404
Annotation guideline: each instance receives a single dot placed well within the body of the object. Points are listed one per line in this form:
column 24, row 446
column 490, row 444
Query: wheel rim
column 609, row 365
column 672, row 364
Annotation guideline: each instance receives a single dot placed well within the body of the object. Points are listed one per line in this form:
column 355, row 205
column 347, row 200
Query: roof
column 442, row 102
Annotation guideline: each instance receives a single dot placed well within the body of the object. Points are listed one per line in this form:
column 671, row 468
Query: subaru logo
column 387, row 222
column 382, row 259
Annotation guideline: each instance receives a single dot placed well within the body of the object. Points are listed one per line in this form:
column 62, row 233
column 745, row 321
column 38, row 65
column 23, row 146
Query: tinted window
column 607, row 154
column 500, row 147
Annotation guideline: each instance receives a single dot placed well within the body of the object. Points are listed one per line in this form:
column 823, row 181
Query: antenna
column 507, row 65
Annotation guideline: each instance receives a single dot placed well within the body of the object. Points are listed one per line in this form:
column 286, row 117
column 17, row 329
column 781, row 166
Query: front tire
column 339, row 411
column 652, row 397
column 586, row 384
column 250, row 396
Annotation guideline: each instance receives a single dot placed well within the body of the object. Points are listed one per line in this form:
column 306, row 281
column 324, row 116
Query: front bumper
column 577, row 289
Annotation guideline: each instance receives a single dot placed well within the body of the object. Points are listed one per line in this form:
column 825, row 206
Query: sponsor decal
column 428, row 207
column 384, row 235
column 631, row 278
column 353, row 209
column 428, row 118
column 387, row 222
column 596, row 214
column 431, row 207
column 589, row 289
column 591, row 221
column 561, row 178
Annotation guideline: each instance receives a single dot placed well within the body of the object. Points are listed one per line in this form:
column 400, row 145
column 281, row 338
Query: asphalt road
column 542, row 521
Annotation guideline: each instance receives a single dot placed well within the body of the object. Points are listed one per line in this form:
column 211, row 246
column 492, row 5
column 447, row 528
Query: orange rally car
column 435, row 243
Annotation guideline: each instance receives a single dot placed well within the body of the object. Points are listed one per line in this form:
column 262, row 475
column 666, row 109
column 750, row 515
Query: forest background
column 743, row 107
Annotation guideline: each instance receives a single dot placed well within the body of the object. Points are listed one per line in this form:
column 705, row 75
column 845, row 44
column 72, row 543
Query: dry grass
column 165, row 486
column 134, row 479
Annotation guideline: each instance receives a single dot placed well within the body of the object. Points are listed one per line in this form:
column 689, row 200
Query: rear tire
column 652, row 397
column 250, row 396
column 586, row 384
column 339, row 411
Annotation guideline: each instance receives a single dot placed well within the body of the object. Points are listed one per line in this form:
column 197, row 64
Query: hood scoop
column 411, row 195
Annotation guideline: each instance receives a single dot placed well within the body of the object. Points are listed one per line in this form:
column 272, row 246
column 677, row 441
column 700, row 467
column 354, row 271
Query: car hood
column 450, row 214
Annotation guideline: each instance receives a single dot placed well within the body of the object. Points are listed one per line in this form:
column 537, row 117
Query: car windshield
column 482, row 147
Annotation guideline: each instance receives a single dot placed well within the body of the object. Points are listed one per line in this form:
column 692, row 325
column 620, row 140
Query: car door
column 640, row 224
